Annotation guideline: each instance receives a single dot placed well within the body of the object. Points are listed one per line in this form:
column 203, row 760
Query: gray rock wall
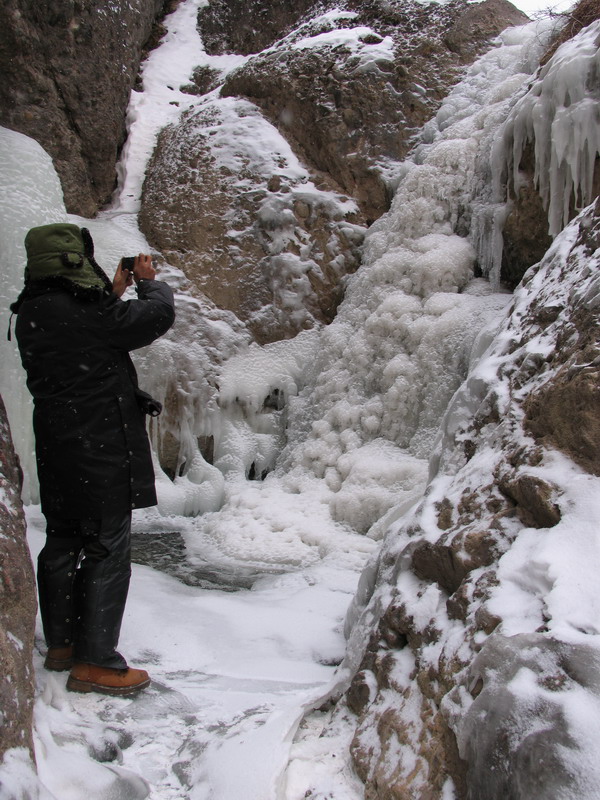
column 17, row 604
column 67, row 72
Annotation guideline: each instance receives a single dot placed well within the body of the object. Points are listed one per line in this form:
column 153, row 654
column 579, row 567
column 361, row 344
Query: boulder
column 68, row 70
column 525, row 749
column 17, row 604
column 565, row 411
column 227, row 202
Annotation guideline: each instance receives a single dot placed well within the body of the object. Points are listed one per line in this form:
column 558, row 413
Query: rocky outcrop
column 247, row 223
column 68, row 70
column 251, row 194
column 17, row 605
column 418, row 686
column 351, row 102
column 238, row 26
column 564, row 412
column 525, row 232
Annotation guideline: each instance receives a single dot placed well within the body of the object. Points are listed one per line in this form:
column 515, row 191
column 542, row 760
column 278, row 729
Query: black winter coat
column 92, row 450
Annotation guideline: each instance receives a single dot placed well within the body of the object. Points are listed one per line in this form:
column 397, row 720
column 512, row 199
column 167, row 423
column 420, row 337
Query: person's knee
column 59, row 549
column 108, row 538
column 62, row 528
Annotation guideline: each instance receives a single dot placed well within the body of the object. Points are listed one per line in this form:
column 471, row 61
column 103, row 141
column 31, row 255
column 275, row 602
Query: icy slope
column 486, row 595
column 476, row 659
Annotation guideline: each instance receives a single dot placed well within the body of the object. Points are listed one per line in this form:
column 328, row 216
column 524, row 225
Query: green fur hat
column 61, row 256
column 62, row 250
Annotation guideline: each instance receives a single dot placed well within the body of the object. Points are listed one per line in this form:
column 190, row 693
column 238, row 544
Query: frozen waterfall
column 345, row 416
column 352, row 410
column 560, row 115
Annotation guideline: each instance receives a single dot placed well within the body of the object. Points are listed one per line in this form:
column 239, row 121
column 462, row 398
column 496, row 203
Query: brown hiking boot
column 116, row 682
column 59, row 659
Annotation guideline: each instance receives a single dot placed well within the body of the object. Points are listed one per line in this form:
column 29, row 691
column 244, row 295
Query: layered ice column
column 30, row 195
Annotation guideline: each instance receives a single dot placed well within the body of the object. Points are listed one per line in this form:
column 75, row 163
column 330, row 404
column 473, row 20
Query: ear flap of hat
column 88, row 243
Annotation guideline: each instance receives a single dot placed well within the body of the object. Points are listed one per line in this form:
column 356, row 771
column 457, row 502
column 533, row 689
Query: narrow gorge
column 371, row 573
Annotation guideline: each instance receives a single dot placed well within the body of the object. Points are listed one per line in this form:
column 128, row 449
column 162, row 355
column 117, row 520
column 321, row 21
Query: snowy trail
column 232, row 674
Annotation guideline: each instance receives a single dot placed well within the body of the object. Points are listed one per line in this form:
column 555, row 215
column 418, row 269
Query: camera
column 127, row 263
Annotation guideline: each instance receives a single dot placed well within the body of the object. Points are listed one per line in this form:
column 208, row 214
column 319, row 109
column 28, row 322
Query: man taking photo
column 92, row 451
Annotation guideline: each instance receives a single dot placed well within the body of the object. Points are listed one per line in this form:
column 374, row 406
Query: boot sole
column 75, row 685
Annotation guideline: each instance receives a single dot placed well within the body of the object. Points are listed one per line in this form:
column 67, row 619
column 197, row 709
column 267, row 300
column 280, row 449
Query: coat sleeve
column 132, row 324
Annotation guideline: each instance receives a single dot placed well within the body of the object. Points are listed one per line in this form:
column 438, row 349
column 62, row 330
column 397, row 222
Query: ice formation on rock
column 380, row 376
column 30, row 194
column 401, row 343
column 560, row 114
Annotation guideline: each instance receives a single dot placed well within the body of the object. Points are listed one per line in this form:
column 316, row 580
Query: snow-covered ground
column 232, row 672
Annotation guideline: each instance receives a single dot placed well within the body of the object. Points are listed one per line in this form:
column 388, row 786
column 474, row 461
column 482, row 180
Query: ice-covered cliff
column 474, row 651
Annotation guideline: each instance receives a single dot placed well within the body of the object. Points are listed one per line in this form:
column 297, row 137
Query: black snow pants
column 83, row 579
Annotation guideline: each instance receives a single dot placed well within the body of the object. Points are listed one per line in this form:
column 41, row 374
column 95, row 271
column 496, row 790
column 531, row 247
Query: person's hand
column 123, row 278
column 143, row 269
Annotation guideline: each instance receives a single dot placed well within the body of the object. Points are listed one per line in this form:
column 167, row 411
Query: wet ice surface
column 232, row 672
column 166, row 552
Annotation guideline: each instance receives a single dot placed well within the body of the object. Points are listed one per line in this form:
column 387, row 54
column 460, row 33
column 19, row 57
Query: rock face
column 68, row 70
column 352, row 104
column 254, row 193
column 17, row 605
column 525, row 231
column 236, row 26
column 440, row 659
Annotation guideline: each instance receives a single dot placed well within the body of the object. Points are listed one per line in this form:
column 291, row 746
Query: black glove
column 147, row 404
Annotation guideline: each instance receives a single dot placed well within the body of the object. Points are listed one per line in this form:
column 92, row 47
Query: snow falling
column 243, row 627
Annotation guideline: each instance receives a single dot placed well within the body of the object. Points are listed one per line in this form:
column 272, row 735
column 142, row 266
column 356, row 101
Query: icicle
column 561, row 115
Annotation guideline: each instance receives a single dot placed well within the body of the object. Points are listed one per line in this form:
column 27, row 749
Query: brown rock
column 534, row 498
column 448, row 563
column 17, row 604
column 410, row 758
column 565, row 413
column 438, row 563
column 67, row 73
column 525, row 235
column 361, row 691
column 480, row 22
column 445, row 511
column 525, row 232
column 350, row 114
column 271, row 248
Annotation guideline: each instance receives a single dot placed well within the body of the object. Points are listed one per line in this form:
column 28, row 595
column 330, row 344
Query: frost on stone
column 490, row 583
column 529, row 730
